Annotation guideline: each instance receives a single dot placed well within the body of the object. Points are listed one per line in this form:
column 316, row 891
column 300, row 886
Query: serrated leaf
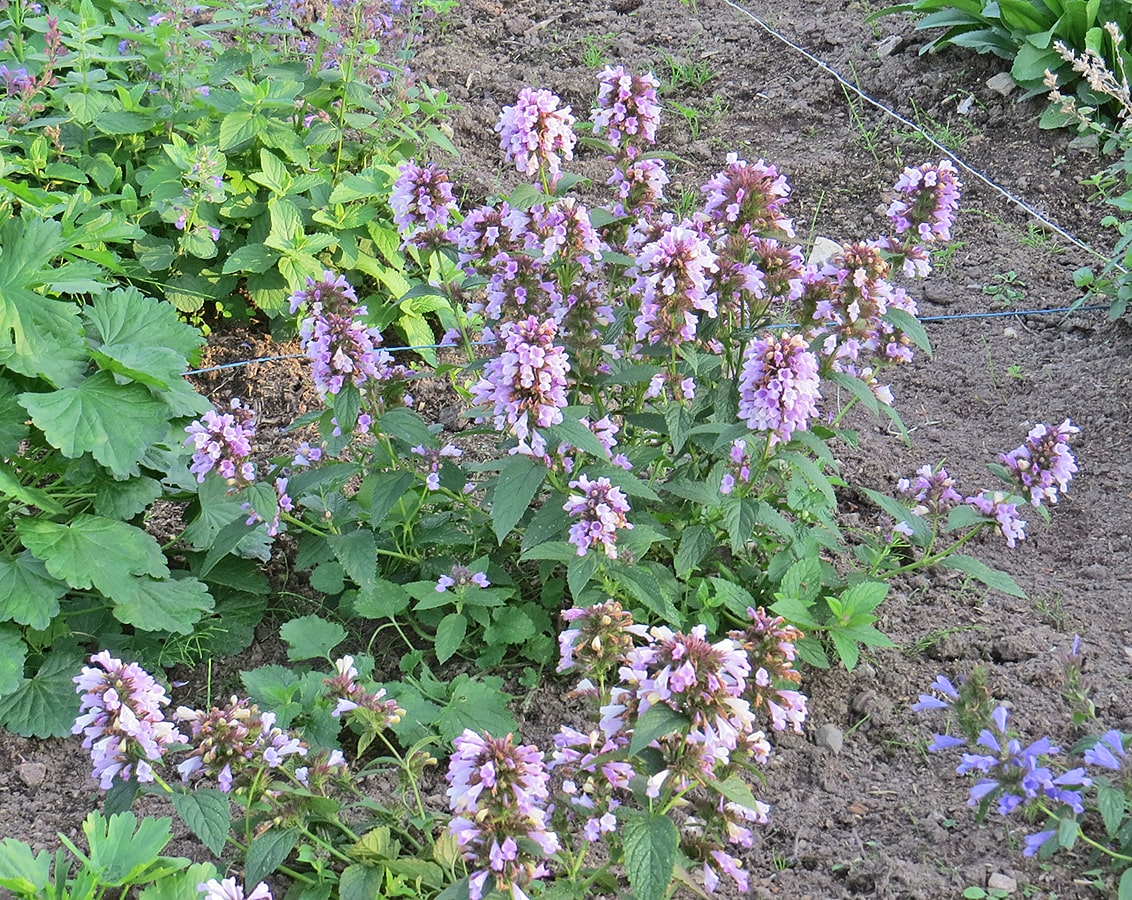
column 679, row 422
column 46, row 704
column 696, row 541
column 267, row 852
column 579, row 571
column 654, row 723
column 736, row 790
column 310, row 637
column 93, row 551
column 21, row 872
column 650, row 842
column 382, row 600
column 271, row 686
column 13, row 651
column 28, row 594
column 992, row 578
column 449, row 636
column 13, row 424
column 359, row 882
column 802, row 580
column 125, row 499
column 116, row 423
column 642, row 583
column 863, row 597
column 1111, row 803
column 130, row 326
column 357, row 552
column 480, row 705
column 207, row 813
column 519, row 481
column 170, row 604
column 739, row 517
column 510, row 626
column 381, row 492
column 734, row 596
column 180, row 885
column 256, row 258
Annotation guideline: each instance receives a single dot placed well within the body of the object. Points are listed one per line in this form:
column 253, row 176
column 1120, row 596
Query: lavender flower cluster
column 1041, row 467
column 537, row 134
column 124, row 726
column 501, row 795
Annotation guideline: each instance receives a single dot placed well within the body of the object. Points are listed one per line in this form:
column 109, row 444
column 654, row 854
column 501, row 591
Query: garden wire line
column 848, row 85
column 992, row 314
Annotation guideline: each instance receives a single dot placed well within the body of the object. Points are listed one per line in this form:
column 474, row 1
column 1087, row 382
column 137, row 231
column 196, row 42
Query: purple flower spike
column 121, row 720
column 536, row 134
column 1044, row 465
column 779, row 386
column 927, row 201
column 601, row 508
column 749, row 194
column 526, row 383
column 994, row 504
column 222, row 441
column 627, row 110
column 674, row 285
column 422, row 201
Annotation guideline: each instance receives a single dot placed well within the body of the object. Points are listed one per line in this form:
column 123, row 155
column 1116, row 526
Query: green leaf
column 125, row 499
column 480, row 705
column 238, row 128
column 740, row 515
column 172, row 604
column 921, row 531
column 802, row 580
column 207, row 813
column 992, row 578
column 39, row 336
column 251, row 258
column 654, row 723
column 734, row 596
column 580, row 570
column 21, row 872
column 12, row 654
column 911, row 326
column 1067, row 830
column 180, row 885
column 863, row 597
column 46, row 704
column 357, row 552
column 696, row 541
column 1111, row 803
column 519, row 481
column 1124, row 891
column 271, row 686
column 91, row 550
column 121, row 848
column 650, row 842
column 679, row 422
column 857, row 388
column 310, row 637
column 449, row 635
column 13, row 425
column 359, row 882
column 510, row 626
column 846, row 648
column 28, row 594
column 123, row 122
column 382, row 600
column 116, row 423
column 642, row 583
column 267, row 852
column 380, row 493
column 11, row 486
column 736, row 790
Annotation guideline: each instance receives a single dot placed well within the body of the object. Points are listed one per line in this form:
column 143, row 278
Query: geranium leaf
column 46, row 704
column 310, row 637
column 13, row 424
column 121, row 847
column 477, row 704
column 21, row 872
column 13, row 651
column 28, row 594
column 116, row 423
column 91, row 550
column 161, row 605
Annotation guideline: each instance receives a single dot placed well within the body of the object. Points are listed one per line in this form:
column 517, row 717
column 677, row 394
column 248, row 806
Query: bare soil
column 881, row 818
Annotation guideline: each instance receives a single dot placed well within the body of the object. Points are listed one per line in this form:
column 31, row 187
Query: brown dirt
column 881, row 818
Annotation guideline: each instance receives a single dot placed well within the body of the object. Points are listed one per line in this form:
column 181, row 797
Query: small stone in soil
column 32, row 774
column 830, row 737
column 1000, row 882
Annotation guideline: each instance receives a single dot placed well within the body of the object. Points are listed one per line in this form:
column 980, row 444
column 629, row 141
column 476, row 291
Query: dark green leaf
column 911, row 326
column 734, row 596
column 28, row 594
column 382, row 600
column 696, row 541
column 1111, row 803
column 580, row 570
column 207, row 814
column 46, row 704
column 519, row 481
column 449, row 636
column 650, row 842
column 658, row 721
column 359, row 882
column 357, row 552
column 480, row 705
column 679, row 422
column 267, row 852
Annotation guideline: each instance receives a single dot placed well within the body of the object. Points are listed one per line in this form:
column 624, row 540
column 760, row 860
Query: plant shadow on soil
column 881, row 818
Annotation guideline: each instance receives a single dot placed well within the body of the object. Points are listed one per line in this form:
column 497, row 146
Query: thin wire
column 1017, row 201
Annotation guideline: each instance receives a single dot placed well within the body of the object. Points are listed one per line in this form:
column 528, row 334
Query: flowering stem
column 1096, row 845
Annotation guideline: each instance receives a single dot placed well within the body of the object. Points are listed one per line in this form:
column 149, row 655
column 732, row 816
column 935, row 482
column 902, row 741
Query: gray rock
column 32, row 774
column 888, row 46
column 1000, row 882
column 830, row 737
column 1002, row 83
